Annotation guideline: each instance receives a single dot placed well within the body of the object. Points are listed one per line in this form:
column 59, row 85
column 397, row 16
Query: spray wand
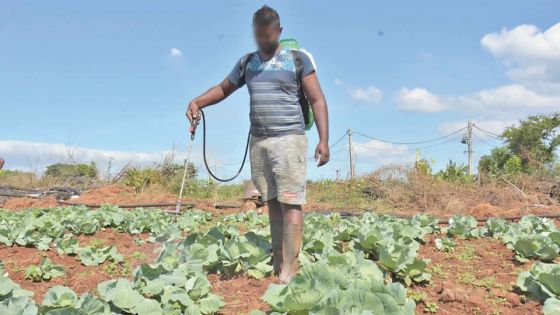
column 194, row 124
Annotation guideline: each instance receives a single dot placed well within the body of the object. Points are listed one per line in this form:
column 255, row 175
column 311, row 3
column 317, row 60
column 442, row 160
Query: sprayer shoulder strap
column 303, row 101
column 243, row 66
column 299, row 67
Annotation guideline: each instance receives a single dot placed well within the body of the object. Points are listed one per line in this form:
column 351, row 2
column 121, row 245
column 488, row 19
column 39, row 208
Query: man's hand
column 322, row 153
column 214, row 95
column 192, row 114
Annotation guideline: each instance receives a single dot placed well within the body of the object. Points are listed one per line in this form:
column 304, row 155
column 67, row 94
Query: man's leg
column 276, row 230
column 287, row 157
column 263, row 179
column 292, row 239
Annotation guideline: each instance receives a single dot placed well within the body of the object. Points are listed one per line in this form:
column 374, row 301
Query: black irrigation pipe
column 21, row 195
column 141, row 205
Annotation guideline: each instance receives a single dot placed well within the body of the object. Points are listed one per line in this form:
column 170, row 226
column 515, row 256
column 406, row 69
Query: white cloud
column 175, row 52
column 524, row 43
column 532, row 58
column 493, row 101
column 367, row 95
column 531, row 55
column 493, row 126
column 383, row 153
column 420, row 100
column 35, row 156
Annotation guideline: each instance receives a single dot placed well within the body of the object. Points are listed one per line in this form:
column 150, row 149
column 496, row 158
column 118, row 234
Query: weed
column 467, row 278
column 123, row 269
column 430, row 307
column 438, row 270
column 96, row 243
column 486, row 282
column 468, row 253
column 416, row 296
column 138, row 255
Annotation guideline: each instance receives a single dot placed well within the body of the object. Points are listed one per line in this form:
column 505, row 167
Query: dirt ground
column 241, row 294
column 26, row 203
column 477, row 278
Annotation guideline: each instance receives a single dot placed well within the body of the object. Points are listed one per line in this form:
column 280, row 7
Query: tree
column 530, row 146
column 501, row 161
column 535, row 140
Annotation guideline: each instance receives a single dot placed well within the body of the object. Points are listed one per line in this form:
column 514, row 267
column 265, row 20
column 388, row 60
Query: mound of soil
column 25, row 203
column 122, row 195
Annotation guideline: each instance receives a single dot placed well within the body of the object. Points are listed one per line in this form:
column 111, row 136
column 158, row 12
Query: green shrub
column 167, row 175
column 69, row 171
column 139, row 179
column 454, row 172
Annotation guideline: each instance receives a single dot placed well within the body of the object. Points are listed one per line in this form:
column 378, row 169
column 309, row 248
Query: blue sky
column 112, row 79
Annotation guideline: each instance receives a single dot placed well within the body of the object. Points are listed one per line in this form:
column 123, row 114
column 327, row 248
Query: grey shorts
column 279, row 167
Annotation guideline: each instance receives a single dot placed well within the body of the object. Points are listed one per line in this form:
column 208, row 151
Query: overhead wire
column 407, row 149
column 338, row 141
column 488, row 133
column 312, row 156
column 484, row 141
column 413, row 142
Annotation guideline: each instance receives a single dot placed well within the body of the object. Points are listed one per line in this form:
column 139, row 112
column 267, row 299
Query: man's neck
column 268, row 55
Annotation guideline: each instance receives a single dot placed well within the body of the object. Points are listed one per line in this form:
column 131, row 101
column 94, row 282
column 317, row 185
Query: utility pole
column 350, row 153
column 469, row 146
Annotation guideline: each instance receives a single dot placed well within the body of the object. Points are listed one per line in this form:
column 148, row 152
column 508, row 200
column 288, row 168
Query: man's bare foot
column 286, row 275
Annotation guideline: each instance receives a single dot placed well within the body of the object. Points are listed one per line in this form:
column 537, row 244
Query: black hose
column 223, row 180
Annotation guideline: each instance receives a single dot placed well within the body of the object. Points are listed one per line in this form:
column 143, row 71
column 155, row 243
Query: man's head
column 266, row 25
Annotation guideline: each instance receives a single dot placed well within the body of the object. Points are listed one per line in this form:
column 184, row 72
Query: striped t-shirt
column 273, row 88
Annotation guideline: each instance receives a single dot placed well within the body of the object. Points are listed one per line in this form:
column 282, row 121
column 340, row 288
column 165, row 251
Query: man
column 278, row 147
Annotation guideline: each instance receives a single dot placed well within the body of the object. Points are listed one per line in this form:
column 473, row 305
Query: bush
column 167, row 175
column 72, row 171
column 139, row 179
column 18, row 178
column 454, row 172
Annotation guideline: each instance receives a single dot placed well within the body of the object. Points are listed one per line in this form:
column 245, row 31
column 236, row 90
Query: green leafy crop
column 542, row 283
column 45, row 271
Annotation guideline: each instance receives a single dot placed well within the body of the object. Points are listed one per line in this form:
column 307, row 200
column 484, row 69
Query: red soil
column 478, row 278
column 241, row 294
column 26, row 203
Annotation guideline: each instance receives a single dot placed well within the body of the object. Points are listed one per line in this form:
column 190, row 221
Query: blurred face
column 267, row 37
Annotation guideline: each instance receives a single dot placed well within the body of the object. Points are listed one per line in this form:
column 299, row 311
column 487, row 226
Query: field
column 74, row 260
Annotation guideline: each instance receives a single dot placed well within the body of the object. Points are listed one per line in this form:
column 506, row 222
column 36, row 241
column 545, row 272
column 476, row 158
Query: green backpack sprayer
column 306, row 109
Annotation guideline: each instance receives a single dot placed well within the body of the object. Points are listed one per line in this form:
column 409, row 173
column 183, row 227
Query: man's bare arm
column 214, row 95
column 316, row 97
